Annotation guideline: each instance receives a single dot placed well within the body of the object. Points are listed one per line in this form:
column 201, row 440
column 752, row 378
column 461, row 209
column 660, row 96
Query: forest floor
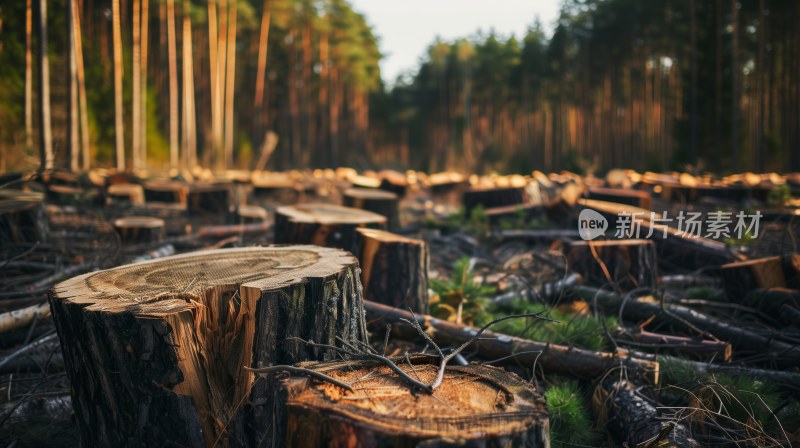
column 727, row 342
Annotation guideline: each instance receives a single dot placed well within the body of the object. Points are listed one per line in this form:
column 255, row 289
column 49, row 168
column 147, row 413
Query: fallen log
column 155, row 350
column 20, row 318
column 384, row 203
column 323, row 224
column 742, row 339
column 233, row 229
column 551, row 358
column 626, row 264
column 394, row 269
column 476, row 405
column 704, row 349
column 493, row 197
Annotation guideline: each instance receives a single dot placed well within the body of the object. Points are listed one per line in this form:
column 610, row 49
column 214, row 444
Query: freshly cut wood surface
column 323, row 224
column 475, row 404
column 394, row 269
column 156, row 351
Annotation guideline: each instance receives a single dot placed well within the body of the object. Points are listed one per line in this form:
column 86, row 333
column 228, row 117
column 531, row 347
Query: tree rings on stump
column 156, row 351
column 381, row 202
column 475, row 405
column 394, row 269
column 323, row 224
column 139, row 229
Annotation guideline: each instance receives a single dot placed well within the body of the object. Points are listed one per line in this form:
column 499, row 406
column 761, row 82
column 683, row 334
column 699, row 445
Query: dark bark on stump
column 323, row 225
column 631, row 264
column 155, row 351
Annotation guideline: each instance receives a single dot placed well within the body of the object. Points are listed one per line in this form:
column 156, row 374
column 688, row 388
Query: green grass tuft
column 570, row 420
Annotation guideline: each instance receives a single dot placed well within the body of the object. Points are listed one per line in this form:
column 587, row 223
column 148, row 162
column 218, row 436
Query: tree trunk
column 45, row 131
column 475, row 406
column 394, row 269
column 174, row 160
column 323, row 225
column 189, row 124
column 83, row 110
column 625, row 264
column 136, row 121
column 74, row 146
column 119, row 126
column 230, row 83
column 29, row 75
column 381, row 202
column 144, row 40
column 156, row 351
column 742, row 277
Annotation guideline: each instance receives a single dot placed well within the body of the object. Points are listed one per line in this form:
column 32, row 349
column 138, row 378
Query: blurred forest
column 654, row 84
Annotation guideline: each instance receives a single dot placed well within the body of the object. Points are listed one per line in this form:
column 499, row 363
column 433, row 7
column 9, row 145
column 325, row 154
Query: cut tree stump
column 125, row 194
column 630, row 264
column 165, row 191
column 134, row 230
column 740, row 278
column 493, row 197
column 323, row 224
column 156, row 351
column 22, row 217
column 476, row 405
column 209, row 198
column 377, row 201
column 251, row 214
column 394, row 269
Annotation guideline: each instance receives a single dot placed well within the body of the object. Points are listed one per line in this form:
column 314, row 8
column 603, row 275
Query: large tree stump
column 630, row 264
column 22, row 218
column 139, row 229
column 323, row 224
column 156, row 351
column 475, row 406
column 381, row 202
column 394, row 269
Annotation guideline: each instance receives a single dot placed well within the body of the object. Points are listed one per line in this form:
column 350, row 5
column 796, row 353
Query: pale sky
column 407, row 27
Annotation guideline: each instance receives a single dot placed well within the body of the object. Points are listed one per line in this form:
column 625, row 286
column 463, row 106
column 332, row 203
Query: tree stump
column 22, row 218
column 139, row 229
column 323, row 224
column 394, row 269
column 381, row 202
column 125, row 194
column 156, row 351
column 209, row 198
column 275, row 186
column 165, row 191
column 493, row 197
column 394, row 181
column 742, row 277
column 630, row 264
column 69, row 195
column 476, row 405
column 250, row 214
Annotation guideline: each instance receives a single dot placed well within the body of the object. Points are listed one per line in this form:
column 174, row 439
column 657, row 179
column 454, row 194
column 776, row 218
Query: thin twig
column 301, row 371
